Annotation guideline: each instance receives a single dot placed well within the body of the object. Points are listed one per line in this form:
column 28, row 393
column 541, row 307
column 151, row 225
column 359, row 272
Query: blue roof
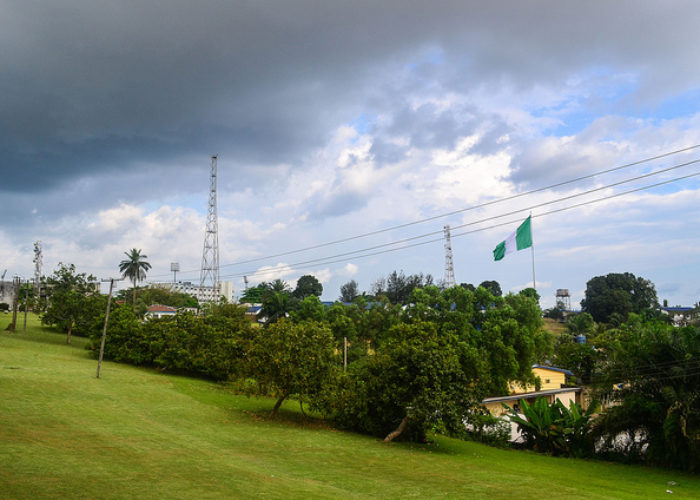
column 677, row 309
column 554, row 369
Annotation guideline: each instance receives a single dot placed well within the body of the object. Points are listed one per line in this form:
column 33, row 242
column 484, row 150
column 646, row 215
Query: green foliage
column 416, row 374
column 581, row 359
column 209, row 346
column 654, row 372
column 134, row 266
column 276, row 305
column 307, row 285
column 397, row 287
column 73, row 301
column 309, row 309
column 349, row 291
column 483, row 427
column 530, row 292
column 158, row 295
column 555, row 428
column 612, row 297
column 4, row 306
column 289, row 358
column 255, row 294
column 493, row 287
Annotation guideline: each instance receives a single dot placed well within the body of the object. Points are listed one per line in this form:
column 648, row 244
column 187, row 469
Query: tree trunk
column 278, row 404
column 70, row 329
column 397, row 432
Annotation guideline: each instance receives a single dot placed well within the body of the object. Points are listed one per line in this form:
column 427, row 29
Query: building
column 203, row 294
column 552, row 387
column 681, row 316
column 160, row 311
column 7, row 292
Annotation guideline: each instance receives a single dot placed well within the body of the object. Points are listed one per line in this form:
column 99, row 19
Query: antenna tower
column 38, row 262
column 209, row 275
column 449, row 265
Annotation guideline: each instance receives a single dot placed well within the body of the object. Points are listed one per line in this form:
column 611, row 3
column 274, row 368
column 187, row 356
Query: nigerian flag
column 520, row 239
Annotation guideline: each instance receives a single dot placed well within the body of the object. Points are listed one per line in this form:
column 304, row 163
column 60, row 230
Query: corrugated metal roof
column 554, row 369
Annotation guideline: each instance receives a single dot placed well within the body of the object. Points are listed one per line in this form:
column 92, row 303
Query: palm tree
column 134, row 267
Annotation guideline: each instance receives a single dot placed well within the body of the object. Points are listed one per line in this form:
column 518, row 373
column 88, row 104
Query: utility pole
column 104, row 330
column 26, row 305
column 15, row 303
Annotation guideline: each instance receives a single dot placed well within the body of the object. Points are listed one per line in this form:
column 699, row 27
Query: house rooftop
column 554, row 369
column 161, row 308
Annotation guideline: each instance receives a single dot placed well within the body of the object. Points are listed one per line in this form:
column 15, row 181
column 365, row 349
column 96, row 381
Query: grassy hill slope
column 135, row 433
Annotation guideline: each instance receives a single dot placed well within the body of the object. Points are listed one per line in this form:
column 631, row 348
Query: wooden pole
column 26, row 305
column 15, row 305
column 345, row 354
column 104, row 330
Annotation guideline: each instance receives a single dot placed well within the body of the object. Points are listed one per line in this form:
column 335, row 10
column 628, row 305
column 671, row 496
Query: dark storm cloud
column 92, row 87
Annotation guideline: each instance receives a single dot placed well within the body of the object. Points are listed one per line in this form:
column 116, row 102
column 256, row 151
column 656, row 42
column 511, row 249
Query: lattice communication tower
column 449, row 265
column 209, row 275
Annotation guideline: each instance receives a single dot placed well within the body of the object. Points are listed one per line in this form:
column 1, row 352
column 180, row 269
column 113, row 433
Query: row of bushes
column 210, row 347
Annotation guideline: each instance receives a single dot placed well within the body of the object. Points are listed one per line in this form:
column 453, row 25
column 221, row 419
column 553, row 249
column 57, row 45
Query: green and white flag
column 520, row 239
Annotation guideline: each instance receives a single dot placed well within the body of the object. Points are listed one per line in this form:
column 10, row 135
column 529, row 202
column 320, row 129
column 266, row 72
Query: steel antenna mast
column 209, row 275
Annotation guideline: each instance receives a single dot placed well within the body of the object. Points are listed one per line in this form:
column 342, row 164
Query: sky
column 333, row 120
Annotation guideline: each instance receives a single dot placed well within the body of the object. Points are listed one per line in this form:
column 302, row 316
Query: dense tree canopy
column 74, row 300
column 349, row 291
column 614, row 296
column 307, row 285
column 292, row 358
column 654, row 372
column 493, row 287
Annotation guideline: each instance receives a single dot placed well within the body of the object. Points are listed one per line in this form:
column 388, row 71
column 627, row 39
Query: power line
column 454, row 212
column 474, row 207
column 325, row 260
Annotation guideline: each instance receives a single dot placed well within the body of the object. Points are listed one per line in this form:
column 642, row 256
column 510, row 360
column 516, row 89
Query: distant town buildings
column 202, row 294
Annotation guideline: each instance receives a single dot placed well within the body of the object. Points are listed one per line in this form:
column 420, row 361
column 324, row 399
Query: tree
column 653, row 371
column 493, row 287
column 134, row 267
column 255, row 294
column 619, row 294
column 74, row 298
column 413, row 383
column 292, row 359
column 348, row 291
column 530, row 292
column 276, row 305
column 307, row 285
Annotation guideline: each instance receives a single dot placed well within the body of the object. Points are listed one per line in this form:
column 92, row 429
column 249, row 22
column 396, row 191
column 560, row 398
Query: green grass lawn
column 135, row 433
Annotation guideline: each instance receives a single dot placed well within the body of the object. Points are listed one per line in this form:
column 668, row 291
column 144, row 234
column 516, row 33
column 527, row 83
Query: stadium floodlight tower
column 209, row 275
column 449, row 265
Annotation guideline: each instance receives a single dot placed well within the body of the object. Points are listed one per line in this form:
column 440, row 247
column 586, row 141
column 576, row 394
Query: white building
column 203, row 294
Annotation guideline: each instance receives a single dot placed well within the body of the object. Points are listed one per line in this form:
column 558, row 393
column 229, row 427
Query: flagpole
column 534, row 282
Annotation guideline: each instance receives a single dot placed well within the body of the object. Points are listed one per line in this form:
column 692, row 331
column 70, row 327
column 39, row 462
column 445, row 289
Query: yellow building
column 552, row 382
